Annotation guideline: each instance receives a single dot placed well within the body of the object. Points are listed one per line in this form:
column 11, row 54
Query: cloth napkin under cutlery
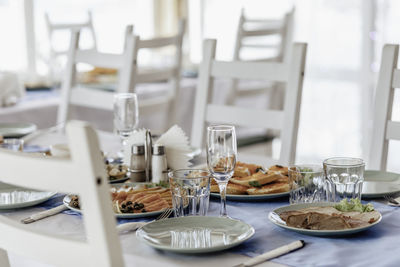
column 43, row 214
column 273, row 254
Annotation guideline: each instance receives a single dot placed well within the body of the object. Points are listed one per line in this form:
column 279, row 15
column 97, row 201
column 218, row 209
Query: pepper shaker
column 137, row 166
column 158, row 164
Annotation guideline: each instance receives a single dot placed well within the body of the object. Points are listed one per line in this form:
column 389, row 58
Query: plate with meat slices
column 130, row 201
column 251, row 182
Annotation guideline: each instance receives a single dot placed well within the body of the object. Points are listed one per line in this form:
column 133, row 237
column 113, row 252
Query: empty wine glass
column 126, row 114
column 221, row 157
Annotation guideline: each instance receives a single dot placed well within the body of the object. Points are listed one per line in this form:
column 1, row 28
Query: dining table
column 376, row 246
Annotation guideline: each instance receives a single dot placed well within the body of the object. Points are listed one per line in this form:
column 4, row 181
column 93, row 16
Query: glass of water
column 190, row 190
column 126, row 114
column 344, row 178
column 307, row 184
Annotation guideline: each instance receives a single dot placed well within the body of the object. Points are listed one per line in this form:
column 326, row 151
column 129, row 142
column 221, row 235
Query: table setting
column 222, row 210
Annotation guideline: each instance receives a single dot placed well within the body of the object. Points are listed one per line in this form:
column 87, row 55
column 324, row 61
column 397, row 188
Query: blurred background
column 345, row 40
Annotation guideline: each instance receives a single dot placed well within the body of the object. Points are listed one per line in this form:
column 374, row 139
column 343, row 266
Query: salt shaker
column 158, row 164
column 137, row 167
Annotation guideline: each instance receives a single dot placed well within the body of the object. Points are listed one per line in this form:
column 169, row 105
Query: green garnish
column 254, row 183
column 353, row 205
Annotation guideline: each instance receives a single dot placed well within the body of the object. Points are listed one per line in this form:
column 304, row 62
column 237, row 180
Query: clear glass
column 190, row 190
column 221, row 157
column 307, row 184
column 126, row 114
column 13, row 144
column 344, row 178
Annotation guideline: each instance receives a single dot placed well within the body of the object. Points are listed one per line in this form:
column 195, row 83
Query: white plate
column 16, row 129
column 379, row 183
column 117, row 181
column 13, row 197
column 67, row 199
column 273, row 216
column 195, row 234
column 252, row 197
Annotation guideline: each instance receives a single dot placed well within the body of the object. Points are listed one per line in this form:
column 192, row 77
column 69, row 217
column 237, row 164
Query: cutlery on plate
column 133, row 226
column 273, row 254
column 43, row 214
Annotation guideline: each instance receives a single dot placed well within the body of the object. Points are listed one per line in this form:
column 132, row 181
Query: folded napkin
column 176, row 145
column 11, row 90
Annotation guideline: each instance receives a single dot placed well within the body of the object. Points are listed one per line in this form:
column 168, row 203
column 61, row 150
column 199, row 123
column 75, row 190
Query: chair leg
column 4, row 262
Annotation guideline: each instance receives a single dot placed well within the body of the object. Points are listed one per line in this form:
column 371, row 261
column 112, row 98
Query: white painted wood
column 396, row 78
column 393, row 130
column 286, row 120
column 383, row 108
column 250, row 70
column 103, row 60
column 83, row 173
column 282, row 28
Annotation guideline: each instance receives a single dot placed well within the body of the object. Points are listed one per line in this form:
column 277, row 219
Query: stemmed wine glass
column 221, row 157
column 126, row 114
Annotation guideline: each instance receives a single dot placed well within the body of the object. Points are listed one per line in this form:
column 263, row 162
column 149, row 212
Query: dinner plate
column 119, row 180
column 379, row 183
column 14, row 197
column 16, row 129
column 67, row 200
column 195, row 234
column 252, row 197
column 273, row 216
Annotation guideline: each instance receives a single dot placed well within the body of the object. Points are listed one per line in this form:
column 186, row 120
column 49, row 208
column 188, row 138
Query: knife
column 273, row 254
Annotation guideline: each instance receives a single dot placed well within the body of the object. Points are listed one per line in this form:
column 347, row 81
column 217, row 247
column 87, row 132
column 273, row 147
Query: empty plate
column 195, row 234
column 16, row 129
column 380, row 183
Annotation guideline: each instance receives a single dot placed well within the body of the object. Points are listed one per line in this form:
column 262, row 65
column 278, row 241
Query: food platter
column 15, row 130
column 195, row 234
column 380, row 183
column 67, row 200
column 252, row 197
column 274, row 217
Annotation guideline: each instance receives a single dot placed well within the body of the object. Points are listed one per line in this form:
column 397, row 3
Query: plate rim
column 117, row 215
column 30, row 127
column 318, row 232
column 28, row 203
column 196, row 250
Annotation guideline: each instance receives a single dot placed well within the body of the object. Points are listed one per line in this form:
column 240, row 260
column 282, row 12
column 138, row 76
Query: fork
column 391, row 201
column 133, row 226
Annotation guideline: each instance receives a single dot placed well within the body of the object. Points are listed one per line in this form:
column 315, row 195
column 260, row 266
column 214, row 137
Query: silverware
column 44, row 214
column 391, row 201
column 273, row 254
column 133, row 226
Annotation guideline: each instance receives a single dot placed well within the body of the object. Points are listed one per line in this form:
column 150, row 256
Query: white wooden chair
column 82, row 173
column 71, row 94
column 52, row 28
column 129, row 75
column 171, row 74
column 281, row 28
column 384, row 128
column 286, row 120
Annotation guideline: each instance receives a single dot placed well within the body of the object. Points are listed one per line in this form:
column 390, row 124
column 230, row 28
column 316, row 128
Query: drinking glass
column 190, row 190
column 344, row 177
column 126, row 114
column 306, row 184
column 221, row 157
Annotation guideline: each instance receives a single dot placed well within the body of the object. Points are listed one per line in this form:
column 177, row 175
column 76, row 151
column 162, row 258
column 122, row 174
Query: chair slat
column 393, row 130
column 158, row 42
column 262, row 32
column 156, row 75
column 92, row 98
column 270, row 119
column 103, row 60
column 269, row 71
column 396, row 78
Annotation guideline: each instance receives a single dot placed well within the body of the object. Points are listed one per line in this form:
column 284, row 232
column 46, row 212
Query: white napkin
column 10, row 89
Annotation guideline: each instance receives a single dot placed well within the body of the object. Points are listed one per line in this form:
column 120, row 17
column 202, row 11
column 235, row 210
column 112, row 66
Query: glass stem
column 222, row 192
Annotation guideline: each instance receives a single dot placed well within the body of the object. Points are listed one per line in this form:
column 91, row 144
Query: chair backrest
column 82, row 173
column 384, row 128
column 53, row 27
column 266, row 27
column 285, row 120
column 101, row 99
column 170, row 73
